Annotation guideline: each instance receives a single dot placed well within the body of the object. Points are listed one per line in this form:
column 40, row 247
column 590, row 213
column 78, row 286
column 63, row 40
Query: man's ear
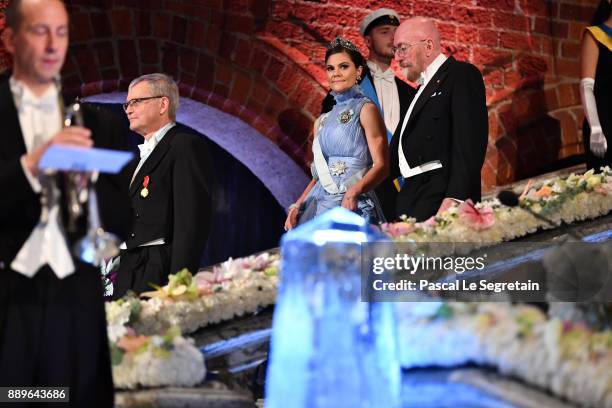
column 430, row 46
column 8, row 40
column 368, row 41
column 165, row 105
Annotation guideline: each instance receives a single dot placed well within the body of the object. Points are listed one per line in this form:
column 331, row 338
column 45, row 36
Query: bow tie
column 145, row 150
column 46, row 105
column 388, row 75
column 420, row 80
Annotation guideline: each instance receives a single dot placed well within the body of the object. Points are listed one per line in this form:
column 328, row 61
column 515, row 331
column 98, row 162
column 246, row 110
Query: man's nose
column 51, row 42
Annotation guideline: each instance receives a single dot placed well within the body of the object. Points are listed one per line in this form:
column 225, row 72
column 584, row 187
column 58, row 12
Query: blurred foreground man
column 52, row 321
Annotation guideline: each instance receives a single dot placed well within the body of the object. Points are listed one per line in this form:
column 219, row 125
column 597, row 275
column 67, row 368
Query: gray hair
column 161, row 85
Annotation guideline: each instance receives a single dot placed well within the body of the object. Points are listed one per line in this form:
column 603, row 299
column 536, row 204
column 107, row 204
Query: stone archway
column 279, row 173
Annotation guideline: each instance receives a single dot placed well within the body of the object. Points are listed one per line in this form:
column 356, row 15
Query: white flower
column 156, row 366
column 117, row 316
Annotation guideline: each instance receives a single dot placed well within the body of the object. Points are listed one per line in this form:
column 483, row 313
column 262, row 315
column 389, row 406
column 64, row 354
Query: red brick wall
column 527, row 50
column 261, row 60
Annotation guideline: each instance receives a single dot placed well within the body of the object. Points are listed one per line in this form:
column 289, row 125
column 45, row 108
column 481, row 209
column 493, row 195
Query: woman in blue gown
column 350, row 154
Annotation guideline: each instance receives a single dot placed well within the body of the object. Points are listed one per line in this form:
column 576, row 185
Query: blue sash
column 368, row 90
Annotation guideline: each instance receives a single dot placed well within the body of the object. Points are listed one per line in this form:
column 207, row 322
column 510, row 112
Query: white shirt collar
column 23, row 96
column 158, row 136
column 147, row 147
column 374, row 68
column 431, row 70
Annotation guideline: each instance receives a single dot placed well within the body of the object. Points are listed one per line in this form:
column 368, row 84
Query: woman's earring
column 358, row 79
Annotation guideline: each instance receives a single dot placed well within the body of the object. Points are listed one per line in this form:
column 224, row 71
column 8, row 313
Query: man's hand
column 70, row 136
column 598, row 143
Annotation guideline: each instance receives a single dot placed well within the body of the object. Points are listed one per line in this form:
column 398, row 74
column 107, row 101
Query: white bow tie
column 420, row 80
column 388, row 75
column 46, row 105
column 145, row 150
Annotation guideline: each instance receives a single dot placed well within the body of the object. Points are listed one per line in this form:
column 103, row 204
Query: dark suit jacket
column 20, row 205
column 178, row 206
column 449, row 123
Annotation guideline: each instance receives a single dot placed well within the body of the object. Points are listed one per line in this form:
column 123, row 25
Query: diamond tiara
column 341, row 42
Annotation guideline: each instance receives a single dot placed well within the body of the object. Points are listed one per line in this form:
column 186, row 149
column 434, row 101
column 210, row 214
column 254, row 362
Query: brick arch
column 260, row 61
column 281, row 175
column 212, row 48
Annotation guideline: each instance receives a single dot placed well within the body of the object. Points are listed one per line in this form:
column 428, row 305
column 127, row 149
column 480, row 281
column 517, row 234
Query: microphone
column 511, row 199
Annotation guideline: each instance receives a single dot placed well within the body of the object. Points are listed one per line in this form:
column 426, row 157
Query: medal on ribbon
column 145, row 187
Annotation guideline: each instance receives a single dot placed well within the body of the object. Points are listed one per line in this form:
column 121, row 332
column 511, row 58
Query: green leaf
column 116, row 354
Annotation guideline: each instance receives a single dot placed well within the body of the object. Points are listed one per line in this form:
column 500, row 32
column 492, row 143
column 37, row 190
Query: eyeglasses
column 137, row 101
column 404, row 48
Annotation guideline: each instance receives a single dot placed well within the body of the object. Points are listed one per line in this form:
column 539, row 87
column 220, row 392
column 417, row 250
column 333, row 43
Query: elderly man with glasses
column 169, row 190
column 439, row 145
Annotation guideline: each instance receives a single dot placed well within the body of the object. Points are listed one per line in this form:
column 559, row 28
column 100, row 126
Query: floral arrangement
column 568, row 359
column 155, row 361
column 190, row 302
column 563, row 200
column 147, row 348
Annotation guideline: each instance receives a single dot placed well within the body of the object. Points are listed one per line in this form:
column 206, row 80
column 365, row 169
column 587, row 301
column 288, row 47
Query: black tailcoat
column 448, row 123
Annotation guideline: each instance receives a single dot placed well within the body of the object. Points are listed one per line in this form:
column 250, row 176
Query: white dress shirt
column 40, row 119
column 388, row 95
column 148, row 146
column 423, row 80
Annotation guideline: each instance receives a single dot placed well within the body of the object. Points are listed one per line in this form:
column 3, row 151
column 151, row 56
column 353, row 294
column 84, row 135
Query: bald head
column 37, row 38
column 417, row 42
column 14, row 12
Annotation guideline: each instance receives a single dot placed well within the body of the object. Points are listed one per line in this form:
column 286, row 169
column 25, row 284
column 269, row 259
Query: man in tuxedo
column 440, row 144
column 390, row 94
column 170, row 190
column 52, row 319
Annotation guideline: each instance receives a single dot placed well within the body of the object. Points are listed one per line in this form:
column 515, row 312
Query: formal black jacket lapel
column 158, row 153
column 11, row 141
column 431, row 87
column 406, row 93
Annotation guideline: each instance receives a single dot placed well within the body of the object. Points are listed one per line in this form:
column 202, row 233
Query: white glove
column 598, row 144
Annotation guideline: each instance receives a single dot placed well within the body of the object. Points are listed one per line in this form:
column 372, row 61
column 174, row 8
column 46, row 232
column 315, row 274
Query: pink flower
column 397, row 229
column 604, row 188
column 475, row 218
column 431, row 221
